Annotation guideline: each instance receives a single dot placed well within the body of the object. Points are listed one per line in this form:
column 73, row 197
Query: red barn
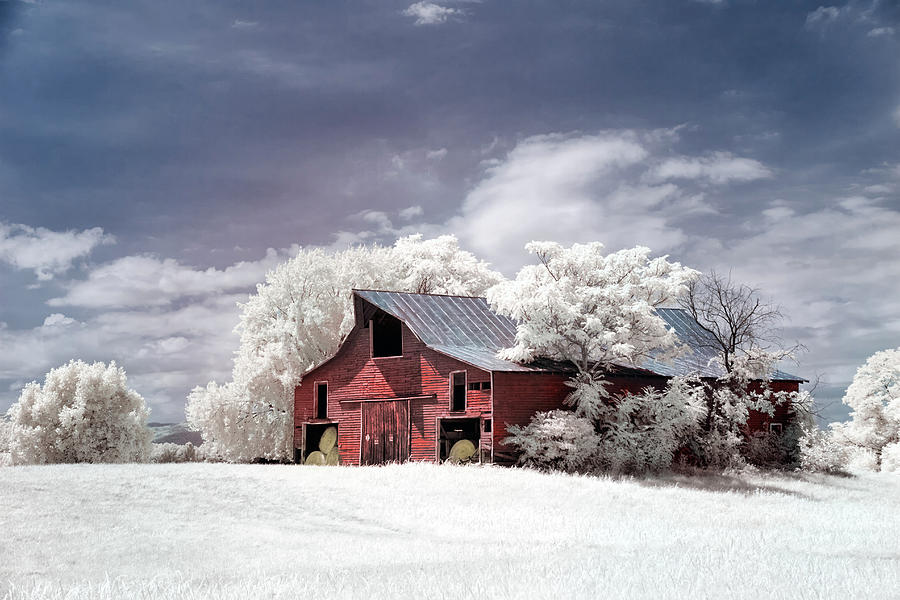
column 418, row 372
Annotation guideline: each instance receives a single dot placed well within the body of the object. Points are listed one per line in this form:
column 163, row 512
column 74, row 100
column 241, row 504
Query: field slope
column 242, row 531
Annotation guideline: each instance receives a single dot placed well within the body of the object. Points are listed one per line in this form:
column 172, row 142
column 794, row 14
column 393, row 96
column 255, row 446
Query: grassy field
column 243, row 531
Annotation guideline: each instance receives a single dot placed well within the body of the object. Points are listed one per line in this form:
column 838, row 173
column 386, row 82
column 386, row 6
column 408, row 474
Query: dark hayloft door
column 385, row 432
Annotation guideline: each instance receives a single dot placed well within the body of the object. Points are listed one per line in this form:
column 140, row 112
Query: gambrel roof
column 465, row 328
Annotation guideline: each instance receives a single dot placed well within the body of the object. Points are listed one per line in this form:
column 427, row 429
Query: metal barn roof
column 467, row 329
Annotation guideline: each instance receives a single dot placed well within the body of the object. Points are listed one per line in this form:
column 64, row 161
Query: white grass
column 241, row 531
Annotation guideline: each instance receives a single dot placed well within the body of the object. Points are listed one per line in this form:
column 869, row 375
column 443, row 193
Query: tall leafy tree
column 874, row 396
column 592, row 309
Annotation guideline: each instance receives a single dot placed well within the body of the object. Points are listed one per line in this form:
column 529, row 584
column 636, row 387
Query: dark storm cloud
column 209, row 131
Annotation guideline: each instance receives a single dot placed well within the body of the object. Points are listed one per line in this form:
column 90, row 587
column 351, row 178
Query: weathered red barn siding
column 353, row 375
column 758, row 421
column 518, row 396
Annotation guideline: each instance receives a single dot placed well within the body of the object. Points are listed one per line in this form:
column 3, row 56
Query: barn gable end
column 419, row 379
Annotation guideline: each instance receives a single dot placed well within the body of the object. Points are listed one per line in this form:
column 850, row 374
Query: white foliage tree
column 298, row 318
column 820, row 451
column 82, row 413
column 5, row 430
column 591, row 309
column 874, row 396
column 723, row 439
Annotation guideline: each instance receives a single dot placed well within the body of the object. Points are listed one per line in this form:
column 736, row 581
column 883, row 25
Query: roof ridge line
column 418, row 293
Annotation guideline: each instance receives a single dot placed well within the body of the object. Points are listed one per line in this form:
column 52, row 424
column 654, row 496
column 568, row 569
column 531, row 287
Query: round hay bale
column 462, row 451
column 315, row 458
column 328, row 439
column 333, row 458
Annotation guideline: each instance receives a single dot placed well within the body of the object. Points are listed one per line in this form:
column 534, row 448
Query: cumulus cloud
column 151, row 281
column 48, row 253
column 376, row 226
column 613, row 186
column 717, row 168
column 429, row 13
column 165, row 350
column 169, row 324
column 822, row 16
column 833, row 269
column 574, row 188
column 880, row 31
column 411, row 212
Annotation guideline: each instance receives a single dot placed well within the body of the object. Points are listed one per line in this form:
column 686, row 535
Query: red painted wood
column 385, row 433
column 759, row 422
column 352, row 375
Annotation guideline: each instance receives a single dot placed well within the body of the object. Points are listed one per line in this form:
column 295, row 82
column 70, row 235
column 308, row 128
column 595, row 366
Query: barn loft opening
column 458, row 391
column 459, row 440
column 322, row 400
column 387, row 336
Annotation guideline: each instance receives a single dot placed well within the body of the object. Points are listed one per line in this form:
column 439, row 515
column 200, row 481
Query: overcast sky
column 156, row 158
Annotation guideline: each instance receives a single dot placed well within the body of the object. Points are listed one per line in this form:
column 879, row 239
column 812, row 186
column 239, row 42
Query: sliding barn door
column 385, row 432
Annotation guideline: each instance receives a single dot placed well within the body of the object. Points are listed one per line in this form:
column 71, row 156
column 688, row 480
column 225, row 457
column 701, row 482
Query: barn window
column 776, row 428
column 486, row 424
column 387, row 336
column 322, row 400
column 458, row 391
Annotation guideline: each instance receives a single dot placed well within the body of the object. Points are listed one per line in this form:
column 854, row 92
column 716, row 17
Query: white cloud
column 574, row 188
column 878, row 189
column 429, row 13
column 166, row 351
column 717, row 168
column 833, row 269
column 58, row 320
column 822, row 16
column 239, row 24
column 150, row 281
column 413, row 211
column 896, row 116
column 880, row 31
column 47, row 253
column 378, row 227
column 438, row 154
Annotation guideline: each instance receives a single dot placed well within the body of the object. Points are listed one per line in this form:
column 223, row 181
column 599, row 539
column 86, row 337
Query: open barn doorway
column 459, row 439
column 320, row 444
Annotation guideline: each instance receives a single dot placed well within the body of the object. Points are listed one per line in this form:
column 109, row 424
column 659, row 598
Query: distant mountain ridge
column 174, row 433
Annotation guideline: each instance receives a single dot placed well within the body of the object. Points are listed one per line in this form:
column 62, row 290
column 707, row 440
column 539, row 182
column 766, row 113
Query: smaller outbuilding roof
column 465, row 328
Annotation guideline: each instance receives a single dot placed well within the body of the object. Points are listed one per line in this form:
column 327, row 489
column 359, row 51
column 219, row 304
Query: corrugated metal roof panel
column 447, row 320
column 467, row 329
